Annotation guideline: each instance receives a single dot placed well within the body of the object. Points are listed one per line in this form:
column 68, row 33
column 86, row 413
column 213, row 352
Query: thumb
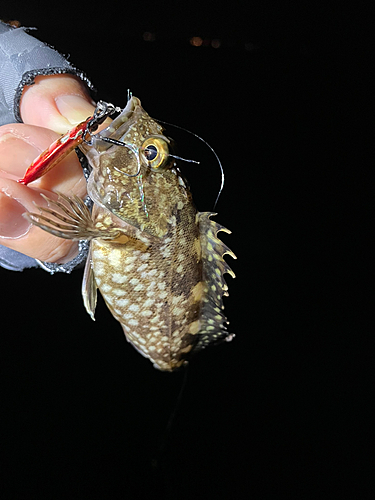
column 57, row 102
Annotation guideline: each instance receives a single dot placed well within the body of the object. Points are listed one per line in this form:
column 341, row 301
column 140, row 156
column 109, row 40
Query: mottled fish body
column 157, row 261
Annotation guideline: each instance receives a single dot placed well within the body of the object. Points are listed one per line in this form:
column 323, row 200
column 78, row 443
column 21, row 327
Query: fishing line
column 206, row 143
column 173, row 413
column 184, row 159
column 123, row 144
column 159, row 461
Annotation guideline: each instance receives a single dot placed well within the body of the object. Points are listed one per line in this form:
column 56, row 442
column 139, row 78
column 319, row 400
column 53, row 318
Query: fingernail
column 74, row 108
column 12, row 224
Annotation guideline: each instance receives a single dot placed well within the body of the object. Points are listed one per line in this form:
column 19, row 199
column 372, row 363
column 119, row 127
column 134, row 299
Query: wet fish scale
column 149, row 290
column 157, row 262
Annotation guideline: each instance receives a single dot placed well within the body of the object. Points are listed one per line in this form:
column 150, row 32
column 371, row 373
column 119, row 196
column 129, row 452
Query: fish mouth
column 132, row 104
column 123, row 121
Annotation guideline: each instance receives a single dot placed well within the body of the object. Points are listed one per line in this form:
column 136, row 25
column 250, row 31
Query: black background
column 282, row 411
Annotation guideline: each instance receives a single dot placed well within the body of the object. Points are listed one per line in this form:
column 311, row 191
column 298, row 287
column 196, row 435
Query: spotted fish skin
column 155, row 290
column 157, row 261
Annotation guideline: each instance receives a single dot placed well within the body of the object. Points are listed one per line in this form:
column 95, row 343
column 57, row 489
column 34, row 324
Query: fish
column 157, row 262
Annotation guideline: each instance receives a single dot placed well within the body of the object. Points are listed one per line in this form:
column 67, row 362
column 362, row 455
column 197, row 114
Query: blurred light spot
column 196, row 41
column 148, row 37
column 215, row 43
column 206, row 42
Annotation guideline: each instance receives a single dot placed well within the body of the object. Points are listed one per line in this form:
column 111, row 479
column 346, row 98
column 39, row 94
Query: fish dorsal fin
column 212, row 320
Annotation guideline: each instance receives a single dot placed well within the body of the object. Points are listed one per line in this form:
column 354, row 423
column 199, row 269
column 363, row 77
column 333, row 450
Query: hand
column 49, row 108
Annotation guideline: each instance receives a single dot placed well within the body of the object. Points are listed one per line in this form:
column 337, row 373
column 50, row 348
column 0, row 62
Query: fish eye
column 150, row 152
column 155, row 152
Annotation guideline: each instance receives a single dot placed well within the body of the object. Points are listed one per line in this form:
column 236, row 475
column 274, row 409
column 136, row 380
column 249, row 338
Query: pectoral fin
column 89, row 288
column 70, row 218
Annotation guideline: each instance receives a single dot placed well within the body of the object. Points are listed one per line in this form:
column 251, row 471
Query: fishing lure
column 156, row 260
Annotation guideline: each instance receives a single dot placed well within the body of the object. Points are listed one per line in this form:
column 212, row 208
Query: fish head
column 134, row 175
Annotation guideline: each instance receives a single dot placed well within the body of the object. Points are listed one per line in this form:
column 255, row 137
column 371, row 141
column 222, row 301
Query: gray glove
column 22, row 58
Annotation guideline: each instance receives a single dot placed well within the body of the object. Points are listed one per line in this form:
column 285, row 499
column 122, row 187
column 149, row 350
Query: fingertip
column 17, row 233
column 57, row 102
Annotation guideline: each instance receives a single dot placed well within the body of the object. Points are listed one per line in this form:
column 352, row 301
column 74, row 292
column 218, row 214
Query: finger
column 17, row 233
column 57, row 102
column 20, row 144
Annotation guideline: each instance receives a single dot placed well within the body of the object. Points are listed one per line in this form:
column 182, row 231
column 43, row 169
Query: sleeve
column 22, row 58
